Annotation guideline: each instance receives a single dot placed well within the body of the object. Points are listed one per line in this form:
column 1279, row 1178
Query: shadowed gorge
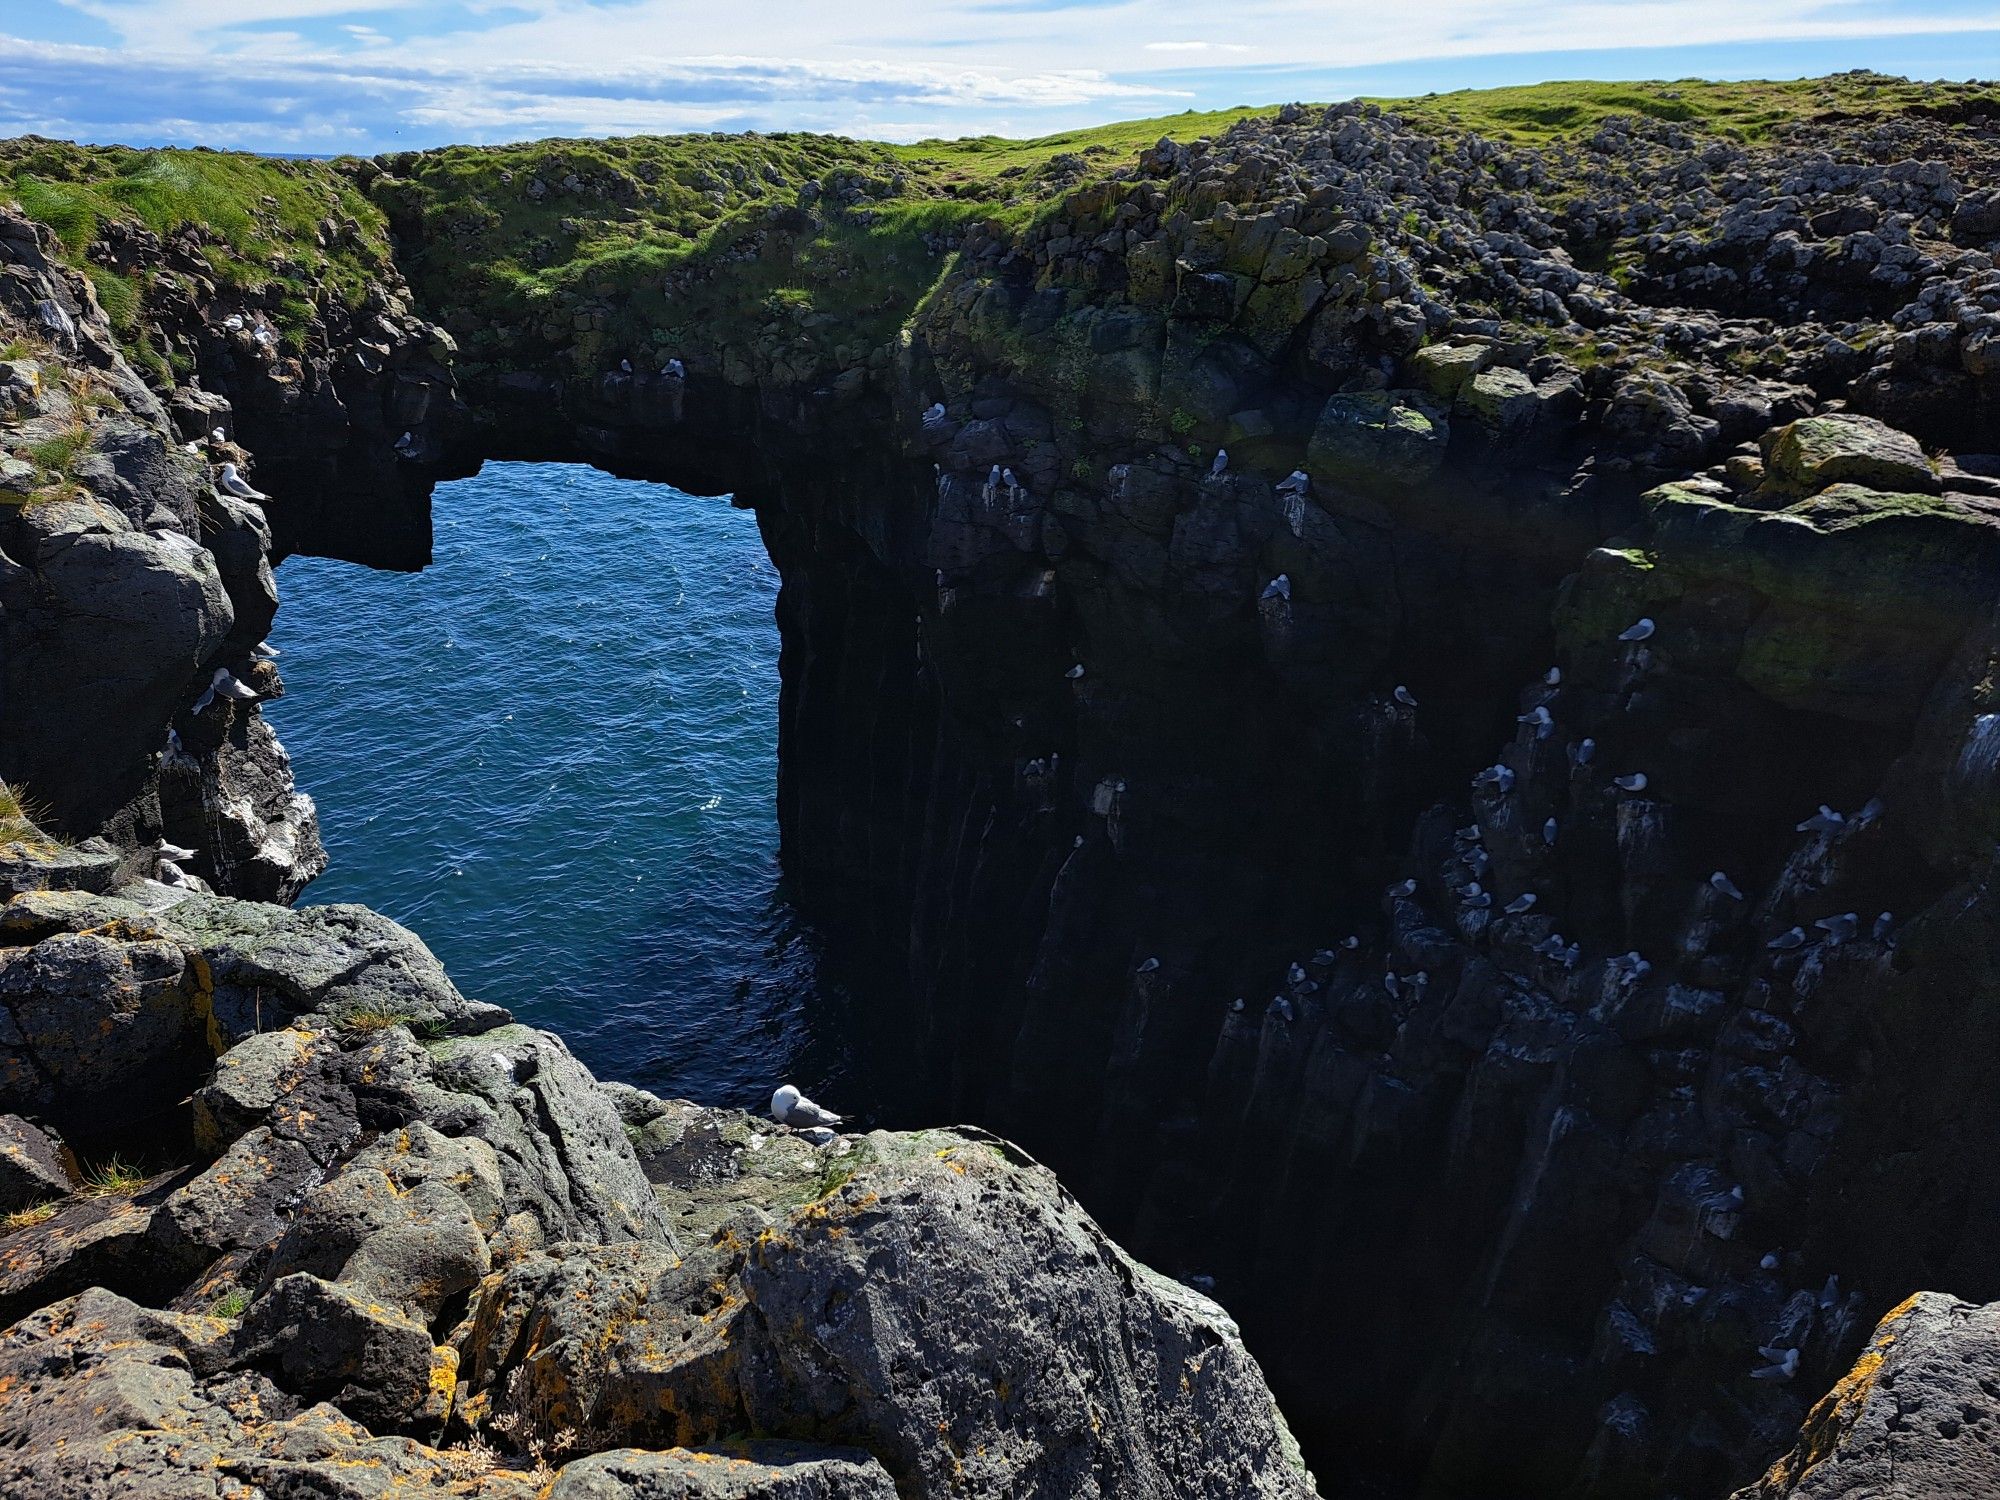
column 1360, row 677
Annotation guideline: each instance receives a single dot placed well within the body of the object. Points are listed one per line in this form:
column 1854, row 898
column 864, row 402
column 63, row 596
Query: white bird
column 1236, row 1005
column 1149, row 965
column 1636, row 782
column 174, row 851
column 265, row 651
column 1295, row 483
column 934, row 413
column 228, row 685
column 1784, row 1364
column 1296, row 974
column 1478, row 900
column 502, row 1064
column 1221, row 462
column 215, row 436
column 234, row 323
column 232, row 483
column 1725, row 885
column 675, row 369
column 1553, row 676
column 1635, row 969
column 625, row 366
column 1408, row 887
column 1549, row 832
column 1823, row 821
column 1404, row 696
column 993, row 479
column 263, row 335
column 1870, row 811
column 1478, row 861
column 1074, row 672
column 1540, row 717
column 1883, row 923
column 1550, row 946
column 1571, row 954
column 1007, row 478
column 191, row 448
column 406, row 442
column 1393, row 985
column 1640, row 630
column 1523, row 902
column 1470, row 833
column 1586, row 751
column 1350, row 942
column 1784, row 942
column 1830, row 1293
column 1280, row 1007
column 1278, row 588
column 1839, row 929
column 790, row 1107
column 1770, row 1261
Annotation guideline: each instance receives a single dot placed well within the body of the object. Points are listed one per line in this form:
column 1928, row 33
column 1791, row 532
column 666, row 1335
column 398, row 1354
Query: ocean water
column 553, row 754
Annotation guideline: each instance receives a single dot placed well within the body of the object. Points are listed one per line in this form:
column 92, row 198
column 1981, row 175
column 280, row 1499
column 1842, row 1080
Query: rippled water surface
column 553, row 754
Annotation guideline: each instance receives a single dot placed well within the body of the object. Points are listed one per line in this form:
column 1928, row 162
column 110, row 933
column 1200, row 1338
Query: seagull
column 1634, row 969
column 1280, row 1007
column 191, row 448
column 263, row 335
column 1221, row 462
column 1523, row 902
column 1882, row 925
column 174, row 851
column 1478, row 900
column 1636, row 782
column 1787, row 940
column 992, row 480
column 1640, row 630
column 1549, row 832
column 1236, row 1005
column 1295, row 483
column 625, row 366
column 1477, row 861
column 1549, row 946
column 1571, row 954
column 1725, row 885
column 1540, row 717
column 1785, row 1364
column 406, row 442
column 228, row 685
column 1500, row 778
column 216, row 436
column 1296, row 974
column 1408, row 887
column 232, row 483
column 1007, row 478
column 675, row 369
column 176, row 752
column 1553, row 676
column 1350, row 942
column 1838, row 929
column 1074, row 672
column 1770, row 1261
column 1278, row 588
column 790, row 1107
column 1470, row 833
column 265, row 651
column 933, row 414
column 1585, row 751
column 1404, row 696
column 234, row 323
column 502, row 1064
column 1830, row 1293
column 1149, row 965
column 1393, row 985
column 1870, row 811
column 1823, row 821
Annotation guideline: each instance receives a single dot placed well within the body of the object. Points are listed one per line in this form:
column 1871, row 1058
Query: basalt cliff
column 1405, row 695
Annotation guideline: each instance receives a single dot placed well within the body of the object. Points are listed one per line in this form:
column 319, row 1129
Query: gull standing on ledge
column 1404, row 696
column 232, row 483
column 1639, row 630
column 1221, row 462
column 790, row 1107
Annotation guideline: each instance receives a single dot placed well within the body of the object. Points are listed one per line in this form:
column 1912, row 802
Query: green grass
column 1750, row 111
column 230, row 1304
column 28, row 1218
column 112, row 1177
column 368, row 1018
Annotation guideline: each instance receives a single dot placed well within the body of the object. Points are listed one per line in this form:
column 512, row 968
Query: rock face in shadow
column 405, row 1236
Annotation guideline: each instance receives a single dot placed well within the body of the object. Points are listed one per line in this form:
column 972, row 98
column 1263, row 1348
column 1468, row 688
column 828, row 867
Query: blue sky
column 370, row 75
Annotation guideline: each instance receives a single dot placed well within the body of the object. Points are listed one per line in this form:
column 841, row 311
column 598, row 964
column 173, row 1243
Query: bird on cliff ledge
column 1640, row 630
column 790, row 1107
column 232, row 483
column 1221, row 462
column 1404, row 696
column 934, row 414
column 1278, row 588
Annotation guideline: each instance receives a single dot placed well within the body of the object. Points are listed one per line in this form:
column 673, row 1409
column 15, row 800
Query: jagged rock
column 1917, row 1414
column 31, row 1165
column 1815, row 452
column 1372, row 438
column 328, row 1342
column 753, row 1471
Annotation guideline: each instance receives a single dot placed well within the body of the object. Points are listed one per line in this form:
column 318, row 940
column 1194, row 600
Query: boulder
column 1371, row 440
column 31, row 1165
column 746, row 1471
column 1815, row 452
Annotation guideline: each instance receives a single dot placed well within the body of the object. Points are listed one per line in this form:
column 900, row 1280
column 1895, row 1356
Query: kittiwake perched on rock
column 1237, row 1005
column 1296, row 974
column 1521, row 903
column 1278, row 588
column 1350, row 942
column 1221, row 462
column 1830, row 1293
column 1839, row 929
column 215, row 436
column 1013, row 485
column 232, row 483
column 1552, row 677
column 790, row 1107
column 407, row 443
column 1550, row 946
column 1149, row 965
column 1404, row 696
column 1770, row 1261
column 1549, row 831
column 174, row 851
column 625, row 366
column 1823, row 821
column 1784, row 942
column 1408, row 887
column 1584, row 751
column 1784, row 1364
column 1636, row 782
column 1476, row 899
column 1725, row 886
column 191, row 448
column 234, row 323
column 1298, row 482
column 1883, row 922
column 1540, row 717
column 1639, row 630
column 1393, row 985
column 265, row 651
column 933, row 414
column 1075, row 672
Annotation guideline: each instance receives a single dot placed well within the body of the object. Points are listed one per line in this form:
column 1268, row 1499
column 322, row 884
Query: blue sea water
column 553, row 754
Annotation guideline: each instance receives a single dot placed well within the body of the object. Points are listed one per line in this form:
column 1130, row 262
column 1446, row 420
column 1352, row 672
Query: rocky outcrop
column 1433, row 898
column 401, row 1236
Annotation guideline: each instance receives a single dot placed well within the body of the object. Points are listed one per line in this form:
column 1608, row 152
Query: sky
column 324, row 76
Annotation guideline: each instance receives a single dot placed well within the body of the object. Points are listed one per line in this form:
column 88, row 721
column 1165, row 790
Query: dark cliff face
column 1102, row 760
